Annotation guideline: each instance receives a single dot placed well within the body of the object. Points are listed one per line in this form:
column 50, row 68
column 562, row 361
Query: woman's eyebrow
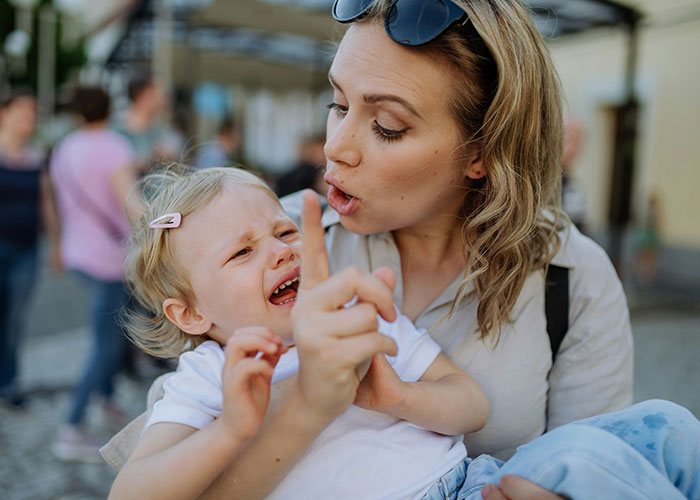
column 375, row 98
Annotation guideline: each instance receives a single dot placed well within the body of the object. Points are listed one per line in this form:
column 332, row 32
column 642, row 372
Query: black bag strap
column 556, row 305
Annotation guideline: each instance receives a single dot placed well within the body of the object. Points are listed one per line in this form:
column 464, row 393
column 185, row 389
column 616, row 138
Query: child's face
column 239, row 249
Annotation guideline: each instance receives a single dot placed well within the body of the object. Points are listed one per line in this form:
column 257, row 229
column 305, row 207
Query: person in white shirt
column 217, row 286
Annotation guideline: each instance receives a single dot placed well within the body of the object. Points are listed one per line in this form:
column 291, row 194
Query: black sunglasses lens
column 414, row 22
column 349, row 10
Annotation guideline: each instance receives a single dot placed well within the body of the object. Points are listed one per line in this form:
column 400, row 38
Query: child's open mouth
column 285, row 292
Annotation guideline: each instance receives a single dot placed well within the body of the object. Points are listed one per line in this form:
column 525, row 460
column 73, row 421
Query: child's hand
column 246, row 380
column 381, row 390
column 335, row 341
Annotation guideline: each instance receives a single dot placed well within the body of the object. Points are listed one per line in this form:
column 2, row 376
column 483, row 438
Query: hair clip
column 167, row 221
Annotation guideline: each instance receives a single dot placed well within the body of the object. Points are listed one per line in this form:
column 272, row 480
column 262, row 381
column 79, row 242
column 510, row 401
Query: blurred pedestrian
column 573, row 198
column 308, row 173
column 93, row 172
column 25, row 200
column 647, row 244
column 141, row 123
column 220, row 151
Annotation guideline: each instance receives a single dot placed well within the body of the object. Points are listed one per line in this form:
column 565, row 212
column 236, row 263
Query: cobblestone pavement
column 667, row 351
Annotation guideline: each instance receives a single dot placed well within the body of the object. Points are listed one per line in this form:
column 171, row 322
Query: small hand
column 516, row 488
column 246, row 379
column 381, row 390
column 334, row 341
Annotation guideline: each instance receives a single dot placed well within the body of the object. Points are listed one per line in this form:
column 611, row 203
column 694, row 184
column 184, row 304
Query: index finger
column 314, row 263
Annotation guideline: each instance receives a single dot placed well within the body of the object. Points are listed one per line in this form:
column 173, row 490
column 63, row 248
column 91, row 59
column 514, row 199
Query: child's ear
column 185, row 318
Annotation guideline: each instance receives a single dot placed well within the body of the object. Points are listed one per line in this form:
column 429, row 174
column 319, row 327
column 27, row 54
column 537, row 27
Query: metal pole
column 46, row 62
column 162, row 65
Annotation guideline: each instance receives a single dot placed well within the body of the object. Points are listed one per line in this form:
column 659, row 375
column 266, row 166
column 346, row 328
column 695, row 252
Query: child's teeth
column 288, row 283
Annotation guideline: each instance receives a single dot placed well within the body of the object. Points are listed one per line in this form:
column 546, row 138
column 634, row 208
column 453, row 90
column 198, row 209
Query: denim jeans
column 649, row 451
column 107, row 301
column 18, row 265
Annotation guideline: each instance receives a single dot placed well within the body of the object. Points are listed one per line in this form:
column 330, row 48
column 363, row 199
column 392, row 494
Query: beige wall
column 668, row 155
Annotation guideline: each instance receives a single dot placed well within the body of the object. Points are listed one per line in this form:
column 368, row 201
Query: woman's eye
column 339, row 110
column 387, row 134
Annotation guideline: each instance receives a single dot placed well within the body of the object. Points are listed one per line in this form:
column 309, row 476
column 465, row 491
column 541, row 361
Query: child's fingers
column 363, row 347
column 251, row 367
column 246, row 345
column 356, row 319
column 342, row 287
column 314, row 264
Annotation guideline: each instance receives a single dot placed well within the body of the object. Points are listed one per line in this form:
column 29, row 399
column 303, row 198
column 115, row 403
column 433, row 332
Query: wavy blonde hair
column 507, row 101
column 153, row 270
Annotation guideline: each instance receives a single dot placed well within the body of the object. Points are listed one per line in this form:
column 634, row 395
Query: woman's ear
column 475, row 170
column 185, row 318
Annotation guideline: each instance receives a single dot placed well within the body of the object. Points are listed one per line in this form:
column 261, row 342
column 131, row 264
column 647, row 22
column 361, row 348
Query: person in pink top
column 92, row 170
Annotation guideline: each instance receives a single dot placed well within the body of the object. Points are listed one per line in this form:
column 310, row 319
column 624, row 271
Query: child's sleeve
column 417, row 350
column 193, row 395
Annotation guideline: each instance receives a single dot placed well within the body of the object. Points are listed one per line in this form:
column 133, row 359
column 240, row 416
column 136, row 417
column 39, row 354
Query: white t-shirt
column 362, row 454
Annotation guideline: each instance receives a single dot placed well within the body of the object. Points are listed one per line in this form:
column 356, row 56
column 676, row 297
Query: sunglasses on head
column 408, row 22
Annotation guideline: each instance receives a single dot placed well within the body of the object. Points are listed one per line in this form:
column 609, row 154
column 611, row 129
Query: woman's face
column 392, row 143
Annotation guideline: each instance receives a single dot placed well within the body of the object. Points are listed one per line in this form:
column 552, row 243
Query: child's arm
column 178, row 461
column 444, row 400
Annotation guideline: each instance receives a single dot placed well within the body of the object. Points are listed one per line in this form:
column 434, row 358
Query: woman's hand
column 381, row 389
column 246, row 379
column 516, row 488
column 335, row 342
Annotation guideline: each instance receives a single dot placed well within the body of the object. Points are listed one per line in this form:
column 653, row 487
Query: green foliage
column 68, row 59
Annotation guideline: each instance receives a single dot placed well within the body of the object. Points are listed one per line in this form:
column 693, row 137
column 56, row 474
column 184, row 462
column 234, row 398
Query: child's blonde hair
column 153, row 271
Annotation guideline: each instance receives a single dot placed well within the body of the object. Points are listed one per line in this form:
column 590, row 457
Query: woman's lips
column 338, row 199
column 342, row 203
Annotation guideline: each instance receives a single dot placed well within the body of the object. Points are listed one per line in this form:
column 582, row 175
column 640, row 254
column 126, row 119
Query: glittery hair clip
column 167, row 221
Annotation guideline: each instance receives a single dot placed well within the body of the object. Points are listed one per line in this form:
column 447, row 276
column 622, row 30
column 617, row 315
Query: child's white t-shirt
column 362, row 454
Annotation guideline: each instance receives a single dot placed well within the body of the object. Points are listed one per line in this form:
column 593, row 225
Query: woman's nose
column 342, row 144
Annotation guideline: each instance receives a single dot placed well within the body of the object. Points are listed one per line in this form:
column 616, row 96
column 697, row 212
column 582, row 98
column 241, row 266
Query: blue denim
column 107, row 301
column 649, row 451
column 18, row 266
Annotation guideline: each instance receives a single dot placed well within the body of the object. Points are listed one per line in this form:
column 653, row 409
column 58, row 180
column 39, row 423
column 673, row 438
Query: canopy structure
column 289, row 43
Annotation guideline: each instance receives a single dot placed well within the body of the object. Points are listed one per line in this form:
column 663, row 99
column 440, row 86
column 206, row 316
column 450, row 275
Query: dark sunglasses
column 408, row 22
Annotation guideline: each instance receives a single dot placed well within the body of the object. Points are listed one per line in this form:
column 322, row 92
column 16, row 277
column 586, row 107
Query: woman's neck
column 431, row 258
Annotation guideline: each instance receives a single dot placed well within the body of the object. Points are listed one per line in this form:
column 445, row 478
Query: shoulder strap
column 556, row 305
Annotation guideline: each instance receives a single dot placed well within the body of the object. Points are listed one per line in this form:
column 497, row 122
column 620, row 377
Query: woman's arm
column 50, row 220
column 444, row 400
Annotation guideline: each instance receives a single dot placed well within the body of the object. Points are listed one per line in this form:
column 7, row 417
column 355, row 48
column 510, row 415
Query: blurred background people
column 573, row 198
column 648, row 243
column 93, row 172
column 25, row 200
column 308, row 173
column 220, row 151
column 141, row 123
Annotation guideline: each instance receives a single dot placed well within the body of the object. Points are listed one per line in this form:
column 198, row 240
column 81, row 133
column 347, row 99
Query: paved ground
column 667, row 354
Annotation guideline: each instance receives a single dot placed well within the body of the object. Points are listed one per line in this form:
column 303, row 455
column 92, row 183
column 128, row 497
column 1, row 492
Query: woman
column 444, row 153
column 25, row 201
column 93, row 170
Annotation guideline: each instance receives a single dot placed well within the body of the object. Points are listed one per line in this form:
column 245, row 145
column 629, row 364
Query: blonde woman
column 444, row 145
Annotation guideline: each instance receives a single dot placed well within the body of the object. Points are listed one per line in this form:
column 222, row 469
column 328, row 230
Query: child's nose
column 281, row 254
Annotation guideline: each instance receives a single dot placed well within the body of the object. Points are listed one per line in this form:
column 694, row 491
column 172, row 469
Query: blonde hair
column 507, row 102
column 153, row 271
